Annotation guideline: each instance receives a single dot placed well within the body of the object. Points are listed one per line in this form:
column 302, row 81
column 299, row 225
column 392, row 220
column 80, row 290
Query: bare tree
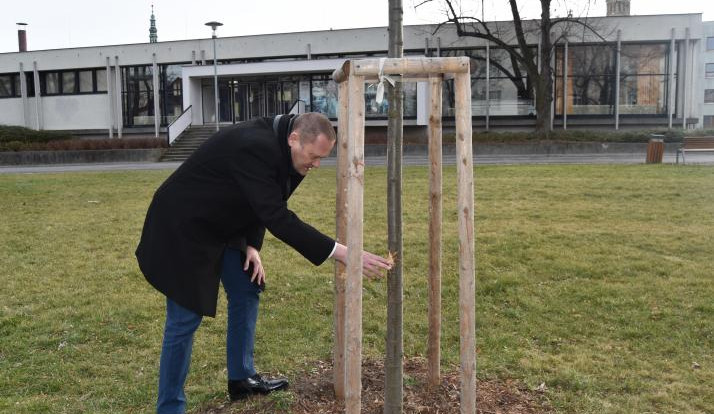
column 395, row 289
column 535, row 61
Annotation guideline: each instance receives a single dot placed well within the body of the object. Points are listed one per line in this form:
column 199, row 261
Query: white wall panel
column 76, row 112
column 11, row 112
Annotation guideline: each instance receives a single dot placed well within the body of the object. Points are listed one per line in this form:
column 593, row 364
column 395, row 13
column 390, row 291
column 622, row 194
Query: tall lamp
column 213, row 26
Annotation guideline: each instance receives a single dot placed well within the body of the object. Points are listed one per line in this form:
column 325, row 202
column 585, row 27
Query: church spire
column 152, row 30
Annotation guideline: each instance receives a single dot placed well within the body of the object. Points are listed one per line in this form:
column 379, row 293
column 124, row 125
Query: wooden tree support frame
column 351, row 78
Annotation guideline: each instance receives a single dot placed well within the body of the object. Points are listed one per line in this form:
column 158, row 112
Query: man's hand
column 252, row 256
column 372, row 265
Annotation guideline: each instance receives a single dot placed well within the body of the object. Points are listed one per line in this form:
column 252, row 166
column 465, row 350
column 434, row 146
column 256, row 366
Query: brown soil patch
column 312, row 393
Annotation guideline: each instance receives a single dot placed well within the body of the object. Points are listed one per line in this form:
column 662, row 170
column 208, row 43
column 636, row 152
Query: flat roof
column 317, row 32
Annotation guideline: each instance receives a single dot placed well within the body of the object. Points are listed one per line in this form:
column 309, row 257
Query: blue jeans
column 181, row 323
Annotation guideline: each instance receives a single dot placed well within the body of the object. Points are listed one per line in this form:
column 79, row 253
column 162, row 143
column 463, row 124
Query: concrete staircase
column 187, row 142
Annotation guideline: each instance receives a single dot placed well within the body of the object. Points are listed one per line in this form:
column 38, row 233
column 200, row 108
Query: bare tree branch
column 579, row 22
column 527, row 56
column 422, row 3
column 513, row 39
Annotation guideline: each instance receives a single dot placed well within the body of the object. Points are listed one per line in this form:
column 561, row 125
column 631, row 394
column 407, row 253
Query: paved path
column 382, row 160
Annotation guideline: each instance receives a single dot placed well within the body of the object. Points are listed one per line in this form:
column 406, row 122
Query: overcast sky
column 73, row 23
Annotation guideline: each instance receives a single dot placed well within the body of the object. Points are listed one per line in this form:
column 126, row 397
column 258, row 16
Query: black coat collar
column 288, row 174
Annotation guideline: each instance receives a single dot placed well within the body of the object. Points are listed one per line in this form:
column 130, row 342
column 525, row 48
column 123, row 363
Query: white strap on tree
column 382, row 77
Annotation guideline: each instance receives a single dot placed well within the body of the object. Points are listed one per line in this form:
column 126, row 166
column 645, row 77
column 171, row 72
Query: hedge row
column 669, row 135
column 16, row 138
column 22, row 134
column 84, row 144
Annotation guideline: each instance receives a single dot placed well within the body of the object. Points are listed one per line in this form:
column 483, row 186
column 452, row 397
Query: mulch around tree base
column 313, row 393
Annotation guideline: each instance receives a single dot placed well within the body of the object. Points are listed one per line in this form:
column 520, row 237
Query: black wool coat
column 227, row 192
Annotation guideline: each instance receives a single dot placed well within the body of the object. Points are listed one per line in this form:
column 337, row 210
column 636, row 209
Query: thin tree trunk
column 544, row 81
column 435, row 243
column 393, row 363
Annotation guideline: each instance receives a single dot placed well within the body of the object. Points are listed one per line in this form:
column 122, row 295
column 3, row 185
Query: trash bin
column 655, row 151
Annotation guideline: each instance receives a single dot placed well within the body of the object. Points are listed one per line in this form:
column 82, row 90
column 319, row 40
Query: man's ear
column 293, row 138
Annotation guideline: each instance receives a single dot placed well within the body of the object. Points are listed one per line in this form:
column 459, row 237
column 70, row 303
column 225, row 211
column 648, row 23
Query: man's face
column 308, row 156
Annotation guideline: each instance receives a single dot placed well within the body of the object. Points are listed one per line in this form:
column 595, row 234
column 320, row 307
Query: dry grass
column 592, row 280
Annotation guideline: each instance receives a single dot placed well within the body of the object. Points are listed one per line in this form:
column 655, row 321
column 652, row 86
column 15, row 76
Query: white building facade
column 708, row 76
column 649, row 71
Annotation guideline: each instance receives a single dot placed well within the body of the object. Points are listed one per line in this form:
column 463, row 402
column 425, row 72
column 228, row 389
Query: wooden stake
column 352, row 120
column 411, row 66
column 341, row 222
column 340, row 74
column 435, row 214
column 353, row 287
column 465, row 203
column 403, row 66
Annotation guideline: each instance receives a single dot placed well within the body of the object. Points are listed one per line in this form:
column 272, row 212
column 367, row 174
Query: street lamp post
column 213, row 26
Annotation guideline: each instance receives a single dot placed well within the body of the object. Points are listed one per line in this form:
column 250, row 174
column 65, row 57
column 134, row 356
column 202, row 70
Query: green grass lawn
column 595, row 280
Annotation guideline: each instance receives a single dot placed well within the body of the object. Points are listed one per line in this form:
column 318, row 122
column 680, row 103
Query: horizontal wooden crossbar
column 407, row 67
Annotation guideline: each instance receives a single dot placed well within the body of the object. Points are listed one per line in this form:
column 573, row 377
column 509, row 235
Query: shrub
column 17, row 138
column 10, row 133
column 84, row 144
column 670, row 135
column 105, row 144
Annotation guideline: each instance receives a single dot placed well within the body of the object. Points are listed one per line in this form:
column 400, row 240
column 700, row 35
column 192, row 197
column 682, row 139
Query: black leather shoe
column 240, row 389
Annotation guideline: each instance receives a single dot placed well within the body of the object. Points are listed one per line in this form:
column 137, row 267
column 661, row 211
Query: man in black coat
column 206, row 224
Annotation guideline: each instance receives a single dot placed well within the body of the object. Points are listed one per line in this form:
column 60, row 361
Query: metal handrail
column 294, row 110
column 170, row 137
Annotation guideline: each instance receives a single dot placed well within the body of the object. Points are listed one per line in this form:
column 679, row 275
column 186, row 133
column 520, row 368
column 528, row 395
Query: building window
column 710, row 43
column 710, row 70
column 375, row 110
column 709, row 96
column 138, row 94
column 708, row 121
column 643, row 79
column 52, row 85
column 101, row 75
column 324, row 96
column 70, row 82
column 30, row 81
column 7, row 86
column 510, row 93
column 18, row 86
column 509, row 90
column 10, row 85
column 171, row 94
column 86, row 81
column 590, row 80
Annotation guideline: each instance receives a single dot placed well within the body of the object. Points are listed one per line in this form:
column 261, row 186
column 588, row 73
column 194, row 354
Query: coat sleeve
column 256, row 174
column 254, row 236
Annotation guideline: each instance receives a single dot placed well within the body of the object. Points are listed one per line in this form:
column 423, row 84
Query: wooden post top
column 410, row 66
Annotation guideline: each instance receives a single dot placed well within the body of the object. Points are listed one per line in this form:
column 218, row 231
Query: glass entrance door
column 272, row 98
column 248, row 101
column 224, row 101
column 240, row 102
column 261, row 97
column 290, row 94
column 256, row 99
